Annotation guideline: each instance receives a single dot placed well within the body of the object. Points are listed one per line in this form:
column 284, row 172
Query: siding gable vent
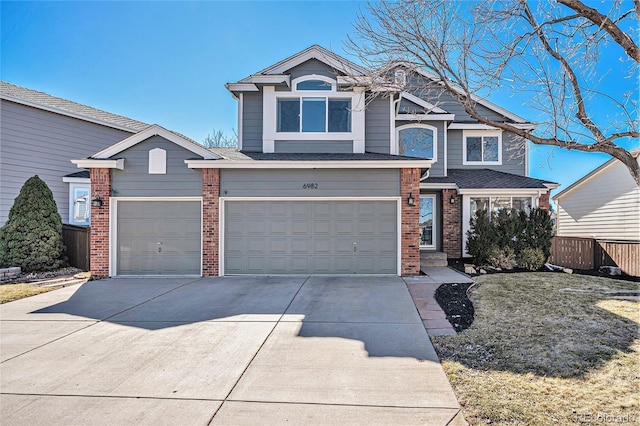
column 157, row 161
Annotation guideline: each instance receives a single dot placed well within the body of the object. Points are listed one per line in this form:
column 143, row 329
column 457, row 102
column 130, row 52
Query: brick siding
column 410, row 220
column 210, row 214
column 543, row 201
column 99, row 258
column 451, row 223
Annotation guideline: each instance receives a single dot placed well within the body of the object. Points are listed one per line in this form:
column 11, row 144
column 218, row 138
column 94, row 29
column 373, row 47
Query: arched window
column 418, row 140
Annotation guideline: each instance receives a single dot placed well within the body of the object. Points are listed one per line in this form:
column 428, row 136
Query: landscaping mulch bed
column 35, row 277
column 453, row 300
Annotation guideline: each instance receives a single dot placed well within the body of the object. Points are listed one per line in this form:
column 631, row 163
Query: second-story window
column 482, row 147
column 417, row 140
column 315, row 113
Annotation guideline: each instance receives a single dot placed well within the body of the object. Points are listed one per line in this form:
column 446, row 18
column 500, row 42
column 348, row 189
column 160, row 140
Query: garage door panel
column 158, row 238
column 315, row 237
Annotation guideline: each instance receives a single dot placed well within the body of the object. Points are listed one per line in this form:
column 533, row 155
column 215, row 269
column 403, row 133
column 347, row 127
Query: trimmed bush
column 32, row 236
column 531, row 258
column 504, row 258
column 500, row 239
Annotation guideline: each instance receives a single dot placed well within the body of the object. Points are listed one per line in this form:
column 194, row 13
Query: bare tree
column 218, row 139
column 548, row 52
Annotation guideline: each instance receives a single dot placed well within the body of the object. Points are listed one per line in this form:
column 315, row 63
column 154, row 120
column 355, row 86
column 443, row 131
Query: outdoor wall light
column 96, row 202
column 452, row 200
column 410, row 200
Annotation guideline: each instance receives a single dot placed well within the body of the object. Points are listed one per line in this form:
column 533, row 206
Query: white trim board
column 272, row 164
column 151, row 131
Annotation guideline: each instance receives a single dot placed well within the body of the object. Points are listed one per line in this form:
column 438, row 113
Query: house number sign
column 310, row 185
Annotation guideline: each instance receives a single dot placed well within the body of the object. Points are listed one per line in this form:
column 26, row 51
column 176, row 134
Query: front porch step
column 433, row 258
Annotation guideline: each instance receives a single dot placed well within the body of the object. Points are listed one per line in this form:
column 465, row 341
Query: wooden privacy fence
column 77, row 239
column 588, row 253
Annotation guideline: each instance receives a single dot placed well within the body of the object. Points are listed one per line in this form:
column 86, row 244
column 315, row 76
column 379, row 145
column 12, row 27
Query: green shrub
column 498, row 241
column 531, row 258
column 503, row 258
column 32, row 236
column 481, row 239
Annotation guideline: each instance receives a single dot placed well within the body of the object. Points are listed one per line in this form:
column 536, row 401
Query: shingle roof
column 45, row 101
column 235, row 155
column 487, row 179
column 81, row 174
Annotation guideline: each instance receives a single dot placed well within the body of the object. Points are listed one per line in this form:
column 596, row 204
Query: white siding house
column 605, row 204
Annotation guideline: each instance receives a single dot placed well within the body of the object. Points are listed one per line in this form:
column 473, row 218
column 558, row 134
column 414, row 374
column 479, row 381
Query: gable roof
column 314, row 52
column 489, row 179
column 156, row 130
column 46, row 102
column 593, row 173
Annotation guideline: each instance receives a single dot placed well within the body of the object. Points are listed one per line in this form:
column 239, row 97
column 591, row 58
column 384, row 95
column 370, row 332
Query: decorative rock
column 482, row 272
column 611, row 270
column 469, row 270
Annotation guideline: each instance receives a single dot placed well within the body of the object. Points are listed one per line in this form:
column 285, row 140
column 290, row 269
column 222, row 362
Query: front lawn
column 11, row 292
column 547, row 348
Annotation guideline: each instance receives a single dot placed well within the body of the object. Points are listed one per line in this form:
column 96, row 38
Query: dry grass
column 11, row 292
column 547, row 348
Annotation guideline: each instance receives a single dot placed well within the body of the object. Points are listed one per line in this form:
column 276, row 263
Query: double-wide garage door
column 310, row 237
column 158, row 238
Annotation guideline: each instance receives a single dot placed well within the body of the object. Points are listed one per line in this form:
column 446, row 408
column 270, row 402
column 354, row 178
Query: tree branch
column 605, row 23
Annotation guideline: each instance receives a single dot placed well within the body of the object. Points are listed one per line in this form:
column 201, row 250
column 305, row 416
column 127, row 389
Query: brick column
column 543, row 201
column 99, row 251
column 210, row 215
column 410, row 222
column 451, row 223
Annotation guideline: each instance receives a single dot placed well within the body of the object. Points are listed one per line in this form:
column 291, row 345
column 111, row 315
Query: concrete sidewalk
column 233, row 350
column 423, row 289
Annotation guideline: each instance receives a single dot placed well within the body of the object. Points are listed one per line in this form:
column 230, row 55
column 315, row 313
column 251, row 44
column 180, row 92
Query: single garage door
column 310, row 237
column 158, row 238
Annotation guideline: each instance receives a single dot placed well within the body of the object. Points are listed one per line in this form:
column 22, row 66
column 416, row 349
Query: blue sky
column 167, row 62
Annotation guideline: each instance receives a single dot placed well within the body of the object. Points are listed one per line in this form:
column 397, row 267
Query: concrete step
column 433, row 258
column 426, row 263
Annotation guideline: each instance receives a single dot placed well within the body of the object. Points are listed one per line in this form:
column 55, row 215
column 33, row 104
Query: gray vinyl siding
column 607, row 206
column 441, row 98
column 312, row 66
column 513, row 159
column 437, row 169
column 377, row 126
column 135, row 180
column 314, row 147
column 289, row 183
column 33, row 141
column 252, row 122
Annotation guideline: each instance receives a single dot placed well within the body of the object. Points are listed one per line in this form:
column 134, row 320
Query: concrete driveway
column 233, row 350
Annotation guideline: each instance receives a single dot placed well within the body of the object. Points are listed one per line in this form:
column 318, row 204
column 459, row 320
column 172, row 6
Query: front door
column 427, row 221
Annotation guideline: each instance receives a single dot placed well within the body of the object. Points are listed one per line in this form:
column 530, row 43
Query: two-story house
column 329, row 178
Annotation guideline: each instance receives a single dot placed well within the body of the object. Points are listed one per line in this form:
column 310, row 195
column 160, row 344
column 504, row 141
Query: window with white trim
column 482, row 147
column 79, row 204
column 320, row 108
column 418, row 140
column 494, row 203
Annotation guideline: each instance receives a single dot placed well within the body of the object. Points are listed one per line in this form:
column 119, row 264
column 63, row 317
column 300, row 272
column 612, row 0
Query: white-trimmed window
column 318, row 109
column 418, row 140
column 482, row 147
column 495, row 203
column 79, row 204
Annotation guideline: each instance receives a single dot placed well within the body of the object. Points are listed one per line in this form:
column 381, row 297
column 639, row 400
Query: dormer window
column 314, row 110
column 314, row 85
column 311, row 112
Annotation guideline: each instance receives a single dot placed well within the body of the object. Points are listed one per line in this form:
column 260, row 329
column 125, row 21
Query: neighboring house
column 604, row 204
column 39, row 133
column 328, row 179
